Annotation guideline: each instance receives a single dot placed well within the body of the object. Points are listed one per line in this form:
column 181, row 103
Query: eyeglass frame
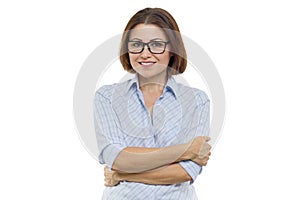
column 147, row 44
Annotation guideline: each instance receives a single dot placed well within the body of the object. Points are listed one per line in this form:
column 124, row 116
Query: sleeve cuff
column 191, row 168
column 110, row 153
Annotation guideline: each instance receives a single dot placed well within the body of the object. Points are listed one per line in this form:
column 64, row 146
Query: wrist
column 185, row 152
column 120, row 176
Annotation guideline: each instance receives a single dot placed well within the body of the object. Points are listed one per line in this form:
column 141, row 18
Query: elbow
column 187, row 177
column 118, row 167
column 183, row 177
column 124, row 167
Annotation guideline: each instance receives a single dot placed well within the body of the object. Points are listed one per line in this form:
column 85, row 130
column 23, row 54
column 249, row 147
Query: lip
column 147, row 63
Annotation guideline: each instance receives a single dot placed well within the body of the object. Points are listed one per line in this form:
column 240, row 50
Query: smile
column 147, row 64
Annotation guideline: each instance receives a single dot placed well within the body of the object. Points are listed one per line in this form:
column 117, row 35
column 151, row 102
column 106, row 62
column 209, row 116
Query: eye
column 157, row 44
column 136, row 44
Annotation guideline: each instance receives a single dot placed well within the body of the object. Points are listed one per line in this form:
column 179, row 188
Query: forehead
column 147, row 32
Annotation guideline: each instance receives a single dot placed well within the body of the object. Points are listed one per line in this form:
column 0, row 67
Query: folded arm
column 119, row 157
column 139, row 159
column 169, row 174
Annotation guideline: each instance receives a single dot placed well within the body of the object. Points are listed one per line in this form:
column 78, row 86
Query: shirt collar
column 170, row 86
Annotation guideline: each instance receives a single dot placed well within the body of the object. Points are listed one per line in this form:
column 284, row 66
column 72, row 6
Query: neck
column 152, row 88
column 154, row 84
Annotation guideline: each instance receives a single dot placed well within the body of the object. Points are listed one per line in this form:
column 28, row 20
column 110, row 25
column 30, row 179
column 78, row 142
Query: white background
column 255, row 46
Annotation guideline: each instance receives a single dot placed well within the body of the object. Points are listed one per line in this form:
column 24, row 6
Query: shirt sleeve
column 110, row 139
column 202, row 116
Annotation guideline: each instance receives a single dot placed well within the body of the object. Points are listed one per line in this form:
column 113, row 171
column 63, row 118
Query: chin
column 149, row 73
column 146, row 75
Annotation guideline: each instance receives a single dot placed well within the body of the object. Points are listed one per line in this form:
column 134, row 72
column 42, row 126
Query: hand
column 199, row 150
column 111, row 177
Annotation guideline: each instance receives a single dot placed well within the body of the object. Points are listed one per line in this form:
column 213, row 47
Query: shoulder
column 191, row 93
column 200, row 95
column 106, row 91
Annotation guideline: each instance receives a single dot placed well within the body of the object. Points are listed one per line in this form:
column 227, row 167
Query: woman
column 151, row 130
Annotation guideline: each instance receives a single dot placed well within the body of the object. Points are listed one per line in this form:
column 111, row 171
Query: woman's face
column 147, row 64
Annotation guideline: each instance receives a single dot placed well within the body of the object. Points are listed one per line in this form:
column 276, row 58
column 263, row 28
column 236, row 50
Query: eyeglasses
column 155, row 47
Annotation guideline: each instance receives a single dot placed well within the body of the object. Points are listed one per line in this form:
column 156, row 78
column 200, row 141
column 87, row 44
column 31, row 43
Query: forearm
column 138, row 159
column 170, row 174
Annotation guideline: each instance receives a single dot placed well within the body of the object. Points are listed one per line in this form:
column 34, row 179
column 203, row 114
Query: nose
column 146, row 53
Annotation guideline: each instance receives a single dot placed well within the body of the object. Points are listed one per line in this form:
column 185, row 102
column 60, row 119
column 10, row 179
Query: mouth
column 147, row 64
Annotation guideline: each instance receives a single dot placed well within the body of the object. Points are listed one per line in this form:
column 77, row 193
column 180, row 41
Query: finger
column 105, row 170
column 209, row 146
column 206, row 138
column 107, row 185
column 206, row 146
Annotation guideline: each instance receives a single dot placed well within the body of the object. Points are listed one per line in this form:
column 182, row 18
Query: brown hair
column 164, row 20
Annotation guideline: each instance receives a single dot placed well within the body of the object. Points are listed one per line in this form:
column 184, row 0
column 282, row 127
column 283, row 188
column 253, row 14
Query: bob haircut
column 164, row 20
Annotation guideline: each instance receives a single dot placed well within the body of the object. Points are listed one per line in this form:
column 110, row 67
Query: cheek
column 166, row 59
column 132, row 58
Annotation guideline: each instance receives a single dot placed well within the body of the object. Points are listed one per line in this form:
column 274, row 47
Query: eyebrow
column 135, row 39
column 155, row 39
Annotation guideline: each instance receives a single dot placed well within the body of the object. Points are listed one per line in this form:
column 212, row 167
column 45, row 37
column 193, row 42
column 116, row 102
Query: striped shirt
column 122, row 119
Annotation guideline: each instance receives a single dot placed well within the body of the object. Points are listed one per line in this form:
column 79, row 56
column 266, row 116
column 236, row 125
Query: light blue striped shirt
column 121, row 119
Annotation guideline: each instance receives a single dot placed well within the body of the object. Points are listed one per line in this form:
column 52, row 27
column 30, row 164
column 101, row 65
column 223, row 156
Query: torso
column 171, row 120
column 150, row 99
